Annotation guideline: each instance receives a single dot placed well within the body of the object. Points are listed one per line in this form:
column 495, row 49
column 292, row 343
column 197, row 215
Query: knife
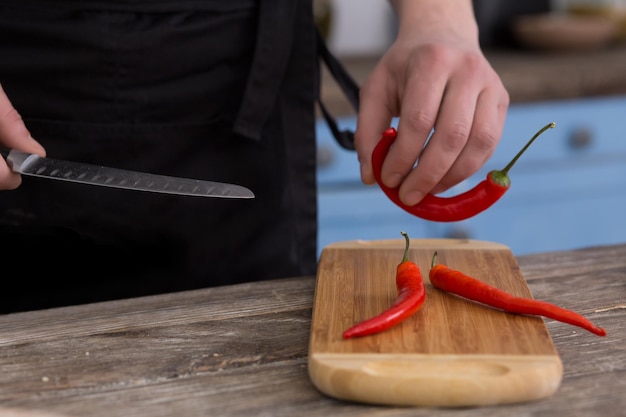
column 34, row 165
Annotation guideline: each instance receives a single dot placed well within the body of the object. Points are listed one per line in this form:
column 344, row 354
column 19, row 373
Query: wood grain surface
column 242, row 350
column 453, row 352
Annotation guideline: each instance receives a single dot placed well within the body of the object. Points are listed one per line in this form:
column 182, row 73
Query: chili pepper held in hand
column 455, row 208
column 411, row 297
column 458, row 283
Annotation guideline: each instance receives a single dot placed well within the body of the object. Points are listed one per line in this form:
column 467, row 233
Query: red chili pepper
column 455, row 208
column 411, row 296
column 456, row 282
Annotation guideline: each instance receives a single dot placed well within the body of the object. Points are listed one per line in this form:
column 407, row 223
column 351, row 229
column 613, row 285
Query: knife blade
column 56, row 169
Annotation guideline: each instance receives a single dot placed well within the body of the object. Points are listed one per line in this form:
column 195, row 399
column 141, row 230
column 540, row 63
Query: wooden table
column 242, row 350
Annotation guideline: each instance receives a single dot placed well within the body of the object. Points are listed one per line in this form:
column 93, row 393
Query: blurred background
column 562, row 61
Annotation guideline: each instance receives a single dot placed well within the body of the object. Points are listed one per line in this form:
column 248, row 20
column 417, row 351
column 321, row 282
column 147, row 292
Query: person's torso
column 161, row 86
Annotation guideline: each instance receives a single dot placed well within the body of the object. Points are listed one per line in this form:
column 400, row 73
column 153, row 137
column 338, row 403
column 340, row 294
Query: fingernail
column 413, row 197
column 40, row 149
column 365, row 173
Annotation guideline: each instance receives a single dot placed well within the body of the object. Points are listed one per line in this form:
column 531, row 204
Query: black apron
column 206, row 89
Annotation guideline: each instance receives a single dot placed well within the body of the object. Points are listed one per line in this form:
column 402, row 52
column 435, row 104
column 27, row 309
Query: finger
column 9, row 180
column 375, row 114
column 420, row 105
column 451, row 133
column 15, row 135
column 487, row 127
column 13, row 131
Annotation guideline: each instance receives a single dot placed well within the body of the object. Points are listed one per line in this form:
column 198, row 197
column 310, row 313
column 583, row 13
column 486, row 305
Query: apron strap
column 345, row 138
column 270, row 60
column 268, row 68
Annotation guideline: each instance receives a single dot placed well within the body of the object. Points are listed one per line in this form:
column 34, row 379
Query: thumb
column 373, row 119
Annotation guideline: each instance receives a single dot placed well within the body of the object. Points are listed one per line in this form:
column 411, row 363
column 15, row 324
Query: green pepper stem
column 543, row 129
column 433, row 262
column 406, row 248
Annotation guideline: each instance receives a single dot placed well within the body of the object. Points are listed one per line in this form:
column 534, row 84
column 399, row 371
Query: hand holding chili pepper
column 411, row 297
column 456, row 208
column 456, row 282
column 433, row 76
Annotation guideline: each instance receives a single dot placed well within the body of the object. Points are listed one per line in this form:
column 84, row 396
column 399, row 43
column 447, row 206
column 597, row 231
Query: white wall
column 361, row 27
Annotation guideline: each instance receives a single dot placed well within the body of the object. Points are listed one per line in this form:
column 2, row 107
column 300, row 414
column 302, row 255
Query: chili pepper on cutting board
column 411, row 297
column 455, row 208
column 456, row 282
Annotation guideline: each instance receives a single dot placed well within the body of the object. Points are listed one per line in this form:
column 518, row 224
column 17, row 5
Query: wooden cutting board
column 453, row 352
